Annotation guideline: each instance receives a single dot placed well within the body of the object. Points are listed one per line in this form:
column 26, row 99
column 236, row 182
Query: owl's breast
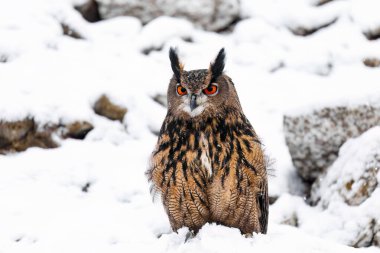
column 205, row 156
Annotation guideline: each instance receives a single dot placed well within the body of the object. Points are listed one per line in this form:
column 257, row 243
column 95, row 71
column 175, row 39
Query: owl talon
column 189, row 235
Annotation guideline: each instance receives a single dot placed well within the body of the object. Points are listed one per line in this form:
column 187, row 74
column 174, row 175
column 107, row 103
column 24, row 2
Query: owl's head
column 200, row 92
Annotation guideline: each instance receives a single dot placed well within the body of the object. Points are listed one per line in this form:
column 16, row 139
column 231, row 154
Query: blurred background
column 83, row 95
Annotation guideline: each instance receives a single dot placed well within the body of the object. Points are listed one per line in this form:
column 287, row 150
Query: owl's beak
column 193, row 102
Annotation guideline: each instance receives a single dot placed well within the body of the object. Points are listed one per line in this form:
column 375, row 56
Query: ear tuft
column 217, row 66
column 176, row 65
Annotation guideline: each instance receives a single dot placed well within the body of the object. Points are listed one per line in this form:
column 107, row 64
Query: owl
column 208, row 164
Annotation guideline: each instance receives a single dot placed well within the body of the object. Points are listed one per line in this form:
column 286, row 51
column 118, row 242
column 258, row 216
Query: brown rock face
column 17, row 136
column 314, row 139
column 104, row 107
column 78, row 130
column 372, row 62
column 20, row 135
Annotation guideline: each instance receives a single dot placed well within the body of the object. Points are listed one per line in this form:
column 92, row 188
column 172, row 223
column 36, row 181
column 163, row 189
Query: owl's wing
column 176, row 174
column 239, row 191
column 263, row 204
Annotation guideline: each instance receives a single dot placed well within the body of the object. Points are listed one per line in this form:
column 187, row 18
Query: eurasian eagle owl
column 208, row 164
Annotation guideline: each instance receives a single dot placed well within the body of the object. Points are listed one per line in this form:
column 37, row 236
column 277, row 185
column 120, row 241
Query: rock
column 3, row 58
column 104, row 107
column 373, row 34
column 89, row 11
column 41, row 138
column 71, row 32
column 372, row 62
column 19, row 135
column 11, row 132
column 272, row 199
column 161, row 99
column 77, row 130
column 314, row 139
column 306, row 31
column 353, row 177
column 322, row 2
column 350, row 188
column 376, row 237
column 212, row 15
column 365, row 236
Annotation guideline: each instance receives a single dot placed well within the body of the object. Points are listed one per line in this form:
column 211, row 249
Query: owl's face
column 200, row 92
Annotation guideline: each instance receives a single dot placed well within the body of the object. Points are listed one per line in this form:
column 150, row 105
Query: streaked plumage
column 208, row 164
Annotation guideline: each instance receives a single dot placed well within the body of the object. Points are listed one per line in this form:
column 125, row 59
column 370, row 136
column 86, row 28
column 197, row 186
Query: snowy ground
column 92, row 195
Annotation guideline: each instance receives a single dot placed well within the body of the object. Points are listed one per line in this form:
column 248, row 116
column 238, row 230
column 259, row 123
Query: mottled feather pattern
column 191, row 194
column 208, row 164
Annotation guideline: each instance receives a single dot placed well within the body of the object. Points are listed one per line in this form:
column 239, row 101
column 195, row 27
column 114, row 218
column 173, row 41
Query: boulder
column 353, row 177
column 212, row 15
column 89, row 11
column 77, row 130
column 15, row 131
column 314, row 138
column 16, row 136
column 372, row 62
column 350, row 188
column 104, row 107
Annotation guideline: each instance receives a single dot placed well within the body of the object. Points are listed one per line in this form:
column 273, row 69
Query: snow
column 160, row 30
column 45, row 203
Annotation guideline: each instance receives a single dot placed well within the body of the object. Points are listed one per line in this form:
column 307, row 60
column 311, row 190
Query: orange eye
column 212, row 89
column 181, row 90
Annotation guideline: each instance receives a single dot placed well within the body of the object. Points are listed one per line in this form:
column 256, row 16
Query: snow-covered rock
column 210, row 14
column 156, row 33
column 354, row 176
column 365, row 13
column 314, row 139
column 353, row 180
